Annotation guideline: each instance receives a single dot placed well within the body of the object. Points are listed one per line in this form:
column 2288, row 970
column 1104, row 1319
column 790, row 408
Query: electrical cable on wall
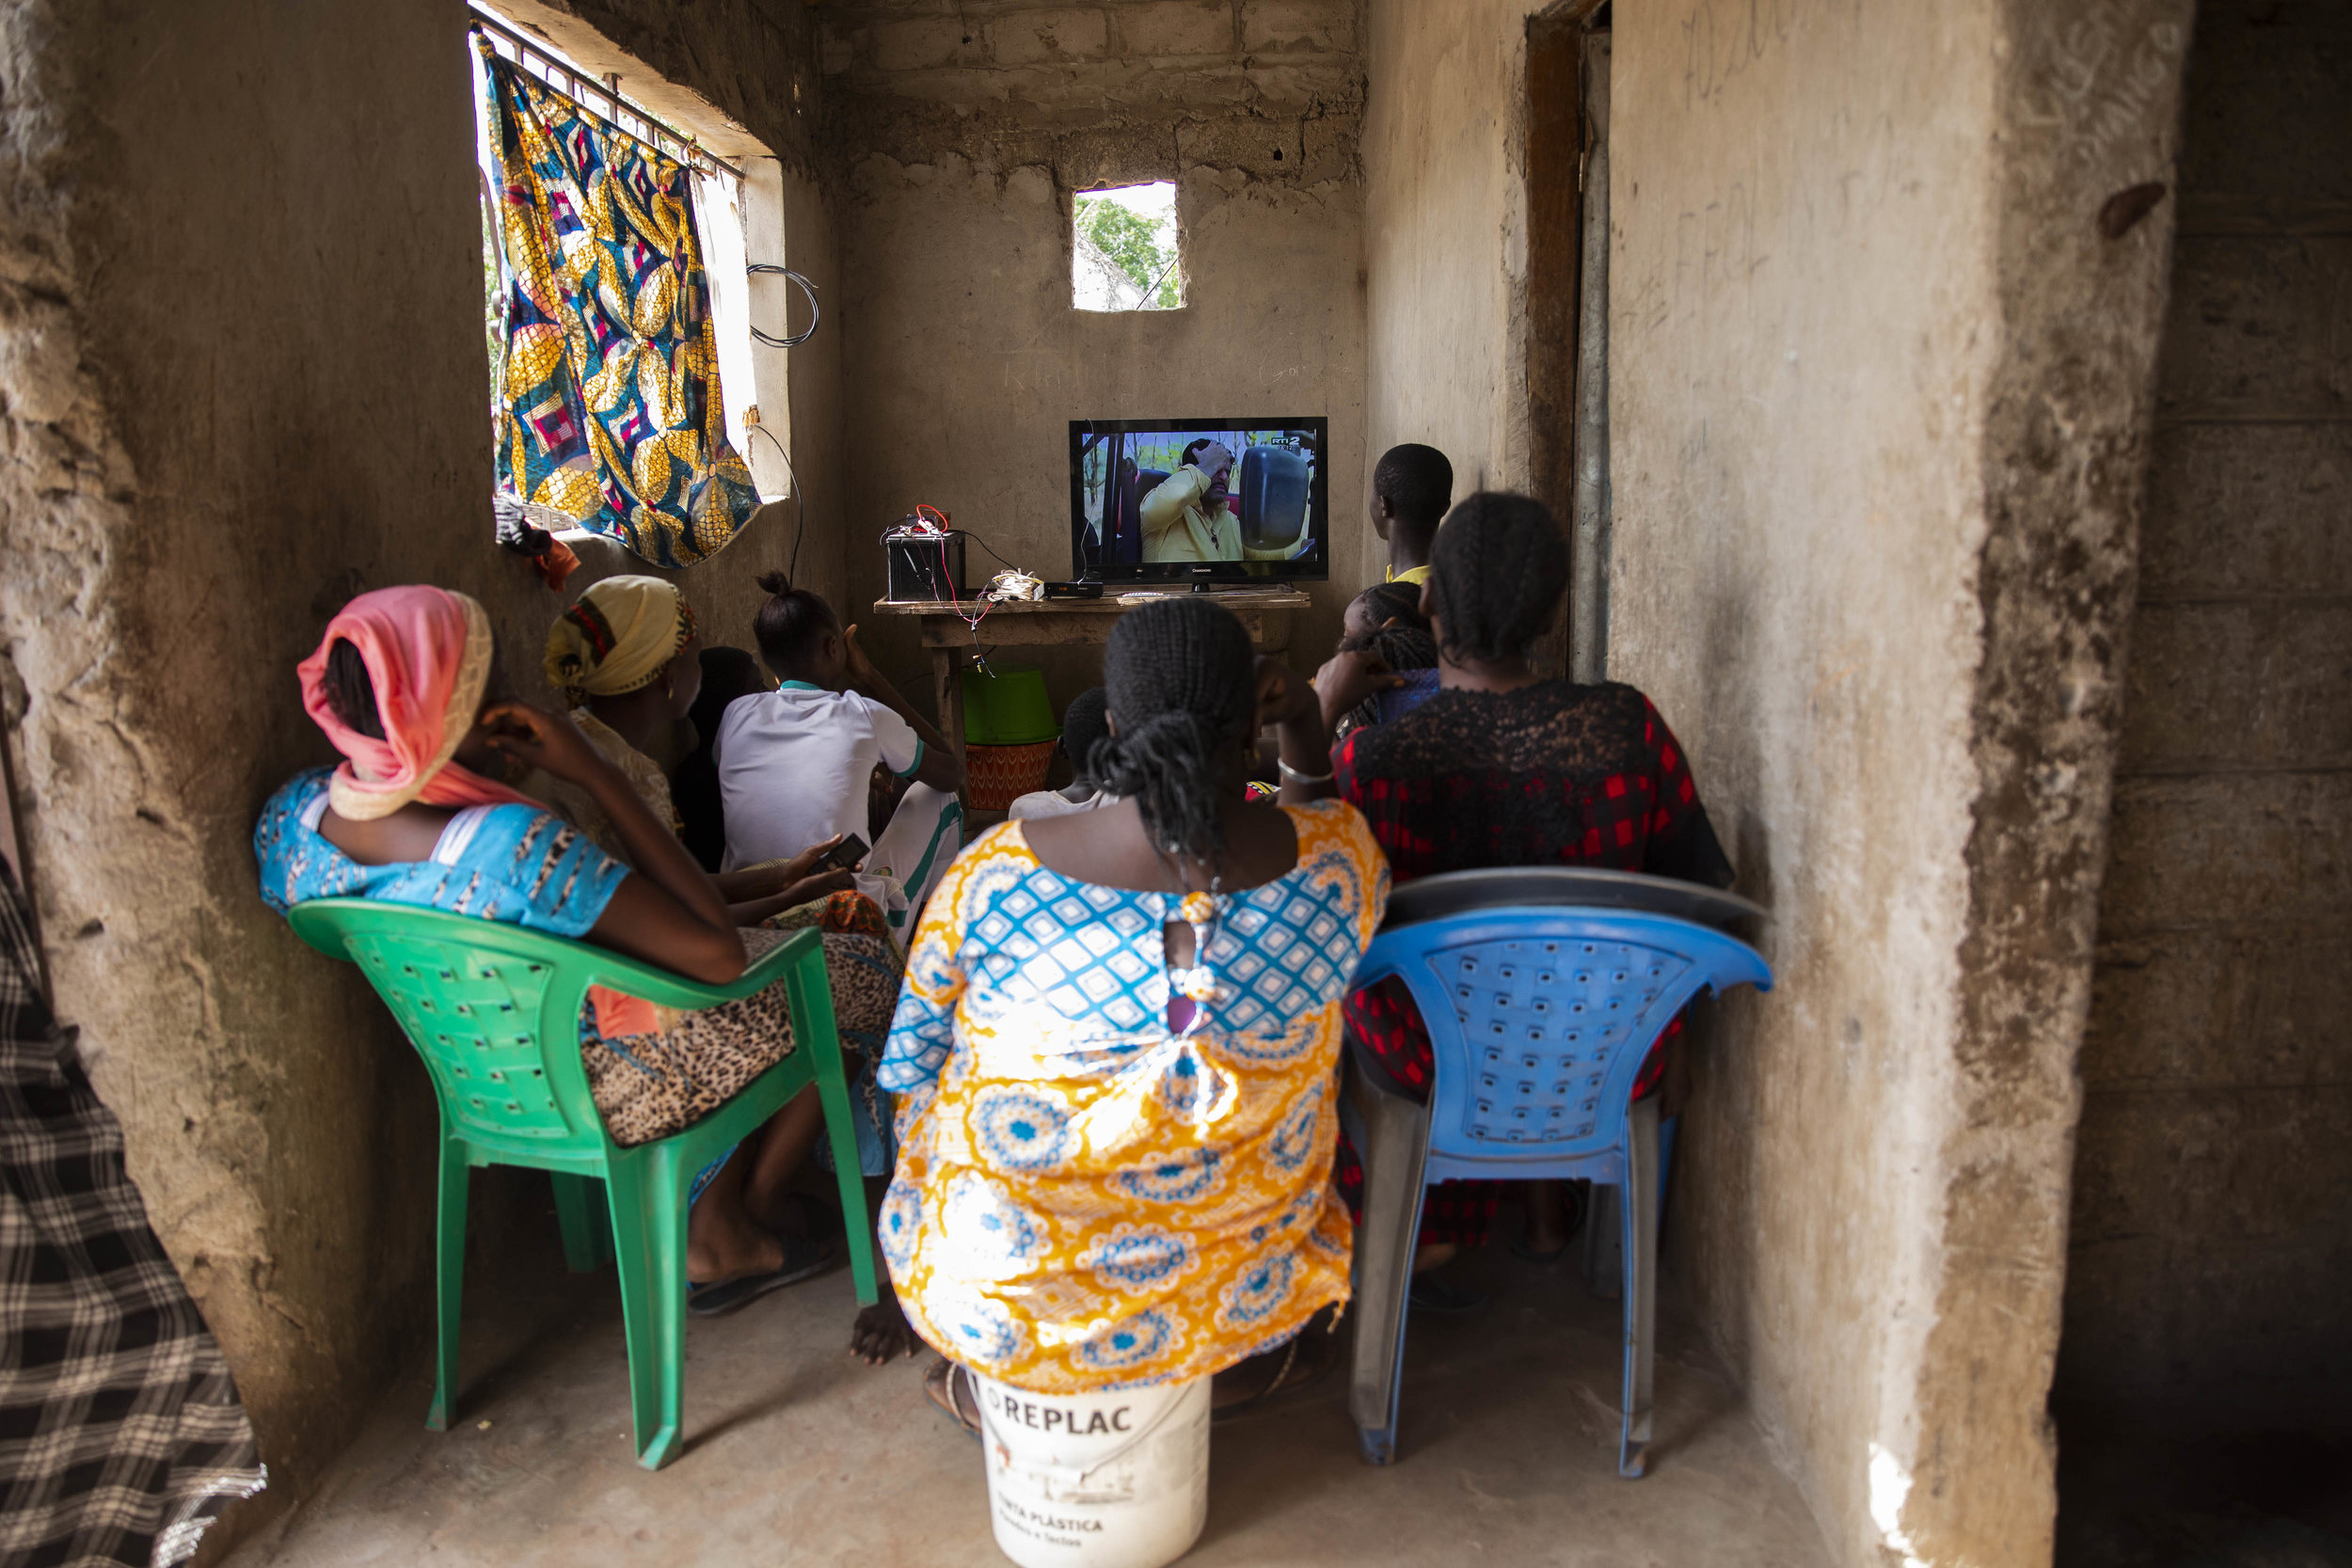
column 814, row 313
column 799, row 510
column 800, row 507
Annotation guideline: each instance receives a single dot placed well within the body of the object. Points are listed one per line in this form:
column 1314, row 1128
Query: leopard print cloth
column 650, row 1086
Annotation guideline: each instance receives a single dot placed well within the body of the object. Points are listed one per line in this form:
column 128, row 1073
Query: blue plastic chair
column 1542, row 990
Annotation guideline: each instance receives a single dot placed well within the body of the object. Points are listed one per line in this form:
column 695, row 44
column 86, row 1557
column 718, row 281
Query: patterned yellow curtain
column 610, row 407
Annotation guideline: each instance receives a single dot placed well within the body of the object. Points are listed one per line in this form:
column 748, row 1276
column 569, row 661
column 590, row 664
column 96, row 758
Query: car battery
column 926, row 565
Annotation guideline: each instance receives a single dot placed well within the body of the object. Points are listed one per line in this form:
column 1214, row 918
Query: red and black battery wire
column 941, row 522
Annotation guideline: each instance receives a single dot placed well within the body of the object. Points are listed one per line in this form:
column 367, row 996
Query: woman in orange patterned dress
column 1116, row 1050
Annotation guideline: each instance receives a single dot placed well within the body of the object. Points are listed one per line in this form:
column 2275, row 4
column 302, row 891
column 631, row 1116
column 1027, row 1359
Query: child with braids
column 1501, row 768
column 1115, row 1052
column 1385, row 648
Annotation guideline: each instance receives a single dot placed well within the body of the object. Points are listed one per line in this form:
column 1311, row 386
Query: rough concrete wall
column 240, row 351
column 820, row 547
column 1445, row 235
column 964, row 132
column 1877, row 393
column 2211, row 1248
column 1799, row 344
column 2088, row 127
column 753, row 60
column 1077, row 77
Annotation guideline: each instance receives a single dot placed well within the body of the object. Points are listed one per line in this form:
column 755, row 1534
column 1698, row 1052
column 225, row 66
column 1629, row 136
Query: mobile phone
column 847, row 853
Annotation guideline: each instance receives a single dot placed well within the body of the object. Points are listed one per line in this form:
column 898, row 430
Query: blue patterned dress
column 515, row 863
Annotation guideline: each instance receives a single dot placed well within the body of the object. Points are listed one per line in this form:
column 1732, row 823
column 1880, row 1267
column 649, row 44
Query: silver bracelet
column 1296, row 777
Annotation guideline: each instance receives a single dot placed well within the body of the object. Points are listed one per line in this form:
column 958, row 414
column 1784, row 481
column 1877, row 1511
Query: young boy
column 1082, row 725
column 1412, row 487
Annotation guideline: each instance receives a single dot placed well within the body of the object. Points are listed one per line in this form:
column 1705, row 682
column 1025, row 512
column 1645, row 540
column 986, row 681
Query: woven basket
column 995, row 776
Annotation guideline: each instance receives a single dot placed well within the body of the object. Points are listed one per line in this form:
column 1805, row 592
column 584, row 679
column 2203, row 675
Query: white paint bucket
column 1114, row 1480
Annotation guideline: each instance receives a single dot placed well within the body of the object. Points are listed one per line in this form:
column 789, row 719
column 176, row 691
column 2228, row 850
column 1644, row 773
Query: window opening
column 718, row 214
column 718, row 205
column 1123, row 251
column 719, row 218
column 616, row 329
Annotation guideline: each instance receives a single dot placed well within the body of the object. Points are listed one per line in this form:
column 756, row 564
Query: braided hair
column 1406, row 645
column 1384, row 602
column 1178, row 674
column 1497, row 574
column 790, row 624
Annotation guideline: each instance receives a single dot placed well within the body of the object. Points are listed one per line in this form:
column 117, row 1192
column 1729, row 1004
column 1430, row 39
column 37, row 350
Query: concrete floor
column 797, row 1454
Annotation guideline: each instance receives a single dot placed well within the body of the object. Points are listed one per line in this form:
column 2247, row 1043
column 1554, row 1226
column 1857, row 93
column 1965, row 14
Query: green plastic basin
column 1008, row 709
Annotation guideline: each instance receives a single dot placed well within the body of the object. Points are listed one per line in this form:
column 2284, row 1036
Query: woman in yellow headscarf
column 627, row 658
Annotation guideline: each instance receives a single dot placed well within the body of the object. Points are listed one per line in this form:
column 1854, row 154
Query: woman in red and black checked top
column 1503, row 769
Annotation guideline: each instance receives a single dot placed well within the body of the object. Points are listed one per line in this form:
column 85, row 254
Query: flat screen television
column 1201, row 501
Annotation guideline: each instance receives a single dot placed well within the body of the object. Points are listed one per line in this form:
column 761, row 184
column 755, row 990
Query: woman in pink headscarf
column 417, row 814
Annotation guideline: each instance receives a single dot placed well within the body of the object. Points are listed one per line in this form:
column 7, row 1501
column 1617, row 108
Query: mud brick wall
column 2211, row 1252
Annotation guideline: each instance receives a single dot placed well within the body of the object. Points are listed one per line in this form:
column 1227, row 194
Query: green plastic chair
column 494, row 1009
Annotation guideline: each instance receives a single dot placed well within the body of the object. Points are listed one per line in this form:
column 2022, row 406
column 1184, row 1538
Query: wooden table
column 1056, row 623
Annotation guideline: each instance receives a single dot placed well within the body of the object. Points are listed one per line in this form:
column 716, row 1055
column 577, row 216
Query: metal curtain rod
column 689, row 150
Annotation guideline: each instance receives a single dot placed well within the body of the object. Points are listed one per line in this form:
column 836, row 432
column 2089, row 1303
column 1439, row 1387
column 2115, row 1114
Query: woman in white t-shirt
column 794, row 763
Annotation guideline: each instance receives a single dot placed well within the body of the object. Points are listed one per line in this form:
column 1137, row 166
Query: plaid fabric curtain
column 609, row 408
column 122, row 1437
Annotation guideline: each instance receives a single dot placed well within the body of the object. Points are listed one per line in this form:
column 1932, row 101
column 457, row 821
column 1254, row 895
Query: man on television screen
column 1189, row 515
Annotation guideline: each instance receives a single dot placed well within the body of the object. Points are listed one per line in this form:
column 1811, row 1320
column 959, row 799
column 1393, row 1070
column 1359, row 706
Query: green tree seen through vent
column 1139, row 247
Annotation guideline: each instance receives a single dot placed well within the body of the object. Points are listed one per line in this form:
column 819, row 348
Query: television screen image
column 1156, row 499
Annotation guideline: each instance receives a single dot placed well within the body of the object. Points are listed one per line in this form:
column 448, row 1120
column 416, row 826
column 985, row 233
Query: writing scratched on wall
column 2098, row 78
column 1723, row 244
column 1715, row 244
column 1723, row 37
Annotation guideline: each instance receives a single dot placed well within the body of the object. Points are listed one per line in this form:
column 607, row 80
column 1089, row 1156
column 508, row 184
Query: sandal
column 803, row 1259
column 1299, row 1364
column 950, row 1387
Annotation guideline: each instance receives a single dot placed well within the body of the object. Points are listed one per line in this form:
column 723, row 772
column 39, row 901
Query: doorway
column 1568, row 316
